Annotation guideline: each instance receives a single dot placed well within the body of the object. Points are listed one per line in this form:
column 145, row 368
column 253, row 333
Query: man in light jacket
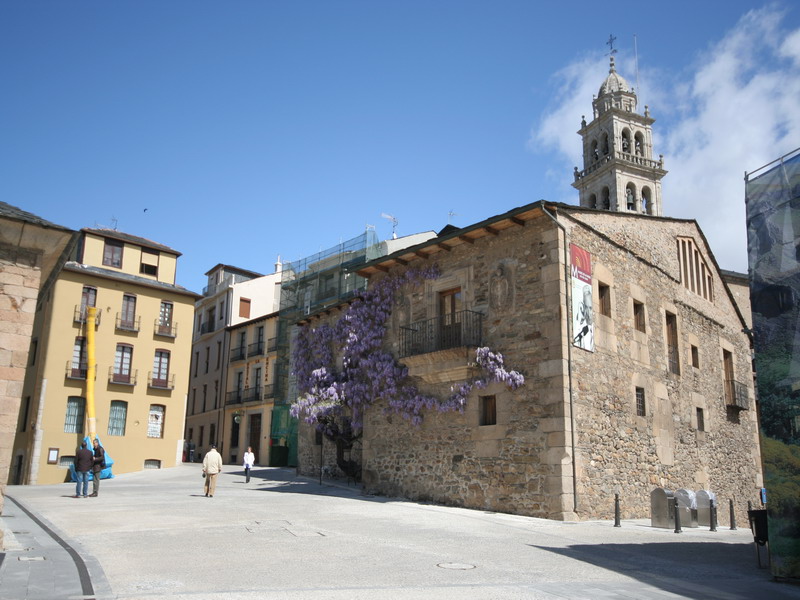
column 249, row 460
column 212, row 466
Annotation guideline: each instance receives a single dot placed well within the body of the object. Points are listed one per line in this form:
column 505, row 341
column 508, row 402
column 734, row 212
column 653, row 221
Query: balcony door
column 450, row 308
column 127, row 318
column 165, row 317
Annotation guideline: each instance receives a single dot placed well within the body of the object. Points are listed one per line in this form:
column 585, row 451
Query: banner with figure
column 582, row 316
column 773, row 232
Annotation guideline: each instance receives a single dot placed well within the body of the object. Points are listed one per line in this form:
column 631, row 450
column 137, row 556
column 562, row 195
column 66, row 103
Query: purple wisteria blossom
column 494, row 371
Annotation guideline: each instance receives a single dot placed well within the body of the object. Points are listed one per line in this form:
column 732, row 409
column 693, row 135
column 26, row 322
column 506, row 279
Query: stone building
column 142, row 345
column 635, row 351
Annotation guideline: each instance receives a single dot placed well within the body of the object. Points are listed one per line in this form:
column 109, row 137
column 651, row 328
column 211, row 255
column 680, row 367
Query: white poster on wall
column 582, row 316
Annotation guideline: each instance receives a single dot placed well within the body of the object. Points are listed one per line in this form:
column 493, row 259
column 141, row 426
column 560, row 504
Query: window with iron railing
column 453, row 330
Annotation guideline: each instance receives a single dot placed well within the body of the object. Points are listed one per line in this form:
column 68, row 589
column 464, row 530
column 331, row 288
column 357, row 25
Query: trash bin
column 687, row 505
column 662, row 513
column 704, row 498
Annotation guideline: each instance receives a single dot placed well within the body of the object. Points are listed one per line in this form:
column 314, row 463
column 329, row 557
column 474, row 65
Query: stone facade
column 513, row 270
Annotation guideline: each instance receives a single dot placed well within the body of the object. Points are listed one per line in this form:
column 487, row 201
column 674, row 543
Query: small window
column 212, row 434
column 488, row 408
column 695, row 357
column 701, row 422
column 244, row 308
column 202, row 433
column 34, row 348
column 155, row 423
column 23, row 425
column 641, row 407
column 604, row 293
column 149, row 264
column 117, row 417
column 638, row 316
column 73, row 423
column 66, row 461
column 152, row 463
column 112, row 253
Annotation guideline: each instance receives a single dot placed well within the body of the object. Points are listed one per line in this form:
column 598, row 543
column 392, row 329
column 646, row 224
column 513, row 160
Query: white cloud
column 734, row 111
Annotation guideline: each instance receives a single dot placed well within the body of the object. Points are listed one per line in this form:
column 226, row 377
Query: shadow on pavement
column 691, row 569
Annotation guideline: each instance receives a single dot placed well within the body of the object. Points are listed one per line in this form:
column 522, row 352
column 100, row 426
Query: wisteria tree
column 334, row 395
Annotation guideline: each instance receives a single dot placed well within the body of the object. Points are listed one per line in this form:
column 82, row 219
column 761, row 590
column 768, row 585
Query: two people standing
column 89, row 460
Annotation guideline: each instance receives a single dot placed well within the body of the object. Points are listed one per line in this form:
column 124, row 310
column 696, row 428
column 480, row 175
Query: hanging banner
column 582, row 316
column 773, row 230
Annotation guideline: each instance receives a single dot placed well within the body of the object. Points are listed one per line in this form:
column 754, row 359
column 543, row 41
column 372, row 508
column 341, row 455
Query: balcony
column 122, row 378
column 736, row 394
column 161, row 383
column 168, row 329
column 269, row 391
column 234, row 397
column 77, row 372
column 124, row 324
column 81, row 313
column 272, row 344
column 256, row 349
column 624, row 157
column 206, row 327
column 457, row 330
column 237, row 354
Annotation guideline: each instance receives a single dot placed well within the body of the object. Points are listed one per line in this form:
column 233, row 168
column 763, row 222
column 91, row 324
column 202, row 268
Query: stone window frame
column 603, row 299
column 700, row 421
column 456, row 278
column 639, row 316
column 641, row 401
column 487, row 410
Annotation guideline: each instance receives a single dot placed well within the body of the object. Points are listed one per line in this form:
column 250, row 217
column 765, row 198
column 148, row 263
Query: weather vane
column 610, row 43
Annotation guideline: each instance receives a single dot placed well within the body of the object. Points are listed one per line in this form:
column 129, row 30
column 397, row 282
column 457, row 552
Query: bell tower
column 619, row 172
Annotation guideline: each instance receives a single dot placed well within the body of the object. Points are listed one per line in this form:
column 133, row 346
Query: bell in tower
column 619, row 172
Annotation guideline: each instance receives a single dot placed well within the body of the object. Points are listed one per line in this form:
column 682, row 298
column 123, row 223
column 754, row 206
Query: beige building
column 233, row 296
column 142, row 354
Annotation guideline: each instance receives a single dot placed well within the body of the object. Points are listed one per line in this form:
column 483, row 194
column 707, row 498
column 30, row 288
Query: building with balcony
column 632, row 341
column 233, row 296
column 142, row 346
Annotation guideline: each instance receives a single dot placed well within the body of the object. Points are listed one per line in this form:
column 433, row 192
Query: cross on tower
column 610, row 43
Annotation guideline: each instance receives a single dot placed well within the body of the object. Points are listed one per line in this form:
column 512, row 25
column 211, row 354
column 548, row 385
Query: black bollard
column 616, row 511
column 677, row 518
column 713, row 515
column 733, row 515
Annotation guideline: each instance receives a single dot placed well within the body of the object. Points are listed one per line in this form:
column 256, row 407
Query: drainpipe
column 569, row 359
column 91, row 417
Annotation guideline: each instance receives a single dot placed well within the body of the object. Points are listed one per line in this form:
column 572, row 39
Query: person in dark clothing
column 83, row 464
column 98, row 466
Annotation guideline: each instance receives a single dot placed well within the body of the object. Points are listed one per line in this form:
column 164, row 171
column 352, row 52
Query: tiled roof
column 12, row 212
column 133, row 239
column 107, row 273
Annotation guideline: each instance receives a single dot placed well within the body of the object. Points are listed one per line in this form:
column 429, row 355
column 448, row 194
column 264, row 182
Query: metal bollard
column 616, row 511
column 713, row 516
column 677, row 518
column 733, row 515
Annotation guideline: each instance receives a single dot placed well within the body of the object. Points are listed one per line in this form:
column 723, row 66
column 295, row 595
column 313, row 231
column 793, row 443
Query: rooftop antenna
column 114, row 223
column 394, row 224
column 450, row 216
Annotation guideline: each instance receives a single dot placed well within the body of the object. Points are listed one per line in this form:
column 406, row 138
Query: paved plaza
column 154, row 534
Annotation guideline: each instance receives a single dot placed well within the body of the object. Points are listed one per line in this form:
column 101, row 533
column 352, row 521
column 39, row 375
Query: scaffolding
column 308, row 286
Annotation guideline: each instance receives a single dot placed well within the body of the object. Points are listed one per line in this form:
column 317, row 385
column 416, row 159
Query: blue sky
column 251, row 129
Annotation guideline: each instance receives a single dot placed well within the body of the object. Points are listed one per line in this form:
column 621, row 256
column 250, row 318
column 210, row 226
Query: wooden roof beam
column 518, row 221
column 464, row 238
column 444, row 247
column 491, row 230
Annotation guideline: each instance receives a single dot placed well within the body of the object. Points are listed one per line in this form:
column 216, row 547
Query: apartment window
column 165, row 318
column 257, row 382
column 127, row 318
column 191, row 432
column 222, row 310
column 88, row 298
column 234, row 433
column 641, row 407
column 244, row 308
column 216, row 392
column 117, row 417
column 76, row 406
column 604, row 293
column 701, row 422
column 122, row 363
column 78, row 368
column 727, row 369
column 219, row 354
column 672, row 344
column 149, row 264
column 194, row 400
column 155, row 422
column 205, row 395
column 196, row 361
column 161, row 369
column 212, row 434
column 202, row 432
column 488, row 410
column 638, row 317
column 112, row 253
column 695, row 357
column 208, row 355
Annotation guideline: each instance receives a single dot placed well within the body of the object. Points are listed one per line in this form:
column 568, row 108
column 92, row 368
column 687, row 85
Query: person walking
column 249, row 461
column 212, row 466
column 83, row 464
column 98, row 466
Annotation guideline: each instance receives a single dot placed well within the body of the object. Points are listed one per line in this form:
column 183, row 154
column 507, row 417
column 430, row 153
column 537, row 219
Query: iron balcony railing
column 237, row 353
column 78, row 372
column 159, row 383
column 736, row 394
column 626, row 157
column 207, row 327
column 234, row 397
column 272, row 344
column 168, row 329
column 122, row 378
column 458, row 329
column 81, row 312
column 255, row 349
column 124, row 324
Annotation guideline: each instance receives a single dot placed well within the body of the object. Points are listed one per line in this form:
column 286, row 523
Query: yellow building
column 142, row 354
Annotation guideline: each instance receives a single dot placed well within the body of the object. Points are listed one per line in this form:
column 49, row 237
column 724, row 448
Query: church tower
column 619, row 172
